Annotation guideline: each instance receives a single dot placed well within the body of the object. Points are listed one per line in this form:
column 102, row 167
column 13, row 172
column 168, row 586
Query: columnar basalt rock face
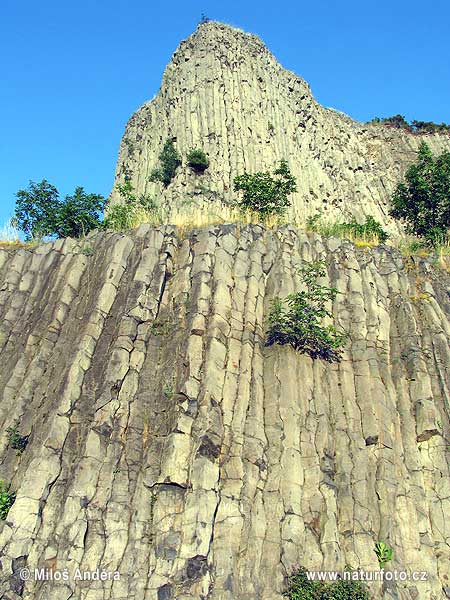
column 167, row 443
column 224, row 92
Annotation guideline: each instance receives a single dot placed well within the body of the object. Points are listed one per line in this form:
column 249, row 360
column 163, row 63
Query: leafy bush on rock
column 169, row 160
column 296, row 320
column 265, row 194
column 303, row 588
column 197, row 160
column 422, row 200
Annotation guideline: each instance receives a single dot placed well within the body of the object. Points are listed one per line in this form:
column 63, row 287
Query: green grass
column 301, row 588
column 369, row 233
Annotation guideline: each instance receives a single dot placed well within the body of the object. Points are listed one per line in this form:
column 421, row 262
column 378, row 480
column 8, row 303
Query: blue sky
column 73, row 72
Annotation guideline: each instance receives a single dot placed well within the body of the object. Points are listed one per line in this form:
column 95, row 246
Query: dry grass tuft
column 199, row 218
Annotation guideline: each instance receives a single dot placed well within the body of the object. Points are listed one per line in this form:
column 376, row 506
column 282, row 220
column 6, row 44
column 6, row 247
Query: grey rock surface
column 224, row 92
column 167, row 443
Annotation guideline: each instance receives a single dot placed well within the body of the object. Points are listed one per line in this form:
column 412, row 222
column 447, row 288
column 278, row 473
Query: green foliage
column 127, row 215
column 6, row 499
column 120, row 217
column 419, row 127
column 79, row 214
column 396, row 121
column 87, row 250
column 296, row 320
column 422, row 201
column 36, row 207
column 384, row 553
column 301, row 588
column 265, row 194
column 162, row 328
column 429, row 127
column 371, row 229
column 169, row 388
column 16, row 441
column 169, row 160
column 40, row 213
column 197, row 160
column 127, row 194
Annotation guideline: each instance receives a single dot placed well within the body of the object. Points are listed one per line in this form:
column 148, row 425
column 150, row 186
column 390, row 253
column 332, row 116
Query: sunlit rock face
column 168, row 444
column 224, row 92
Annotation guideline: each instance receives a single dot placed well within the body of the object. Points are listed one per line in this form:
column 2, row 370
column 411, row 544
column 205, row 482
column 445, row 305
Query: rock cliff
column 167, row 443
column 224, row 92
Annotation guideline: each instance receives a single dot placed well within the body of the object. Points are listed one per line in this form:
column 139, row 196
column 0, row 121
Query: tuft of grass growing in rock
column 169, row 388
column 370, row 233
column 412, row 247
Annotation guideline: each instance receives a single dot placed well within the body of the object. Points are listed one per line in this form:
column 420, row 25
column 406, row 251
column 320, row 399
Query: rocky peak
column 223, row 91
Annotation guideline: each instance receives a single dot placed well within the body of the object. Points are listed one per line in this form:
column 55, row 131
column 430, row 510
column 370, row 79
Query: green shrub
column 397, row 122
column 371, row 228
column 264, row 194
column 296, row 320
column 301, row 588
column 6, row 499
column 197, row 160
column 120, row 217
column 133, row 211
column 429, row 127
column 40, row 213
column 419, row 127
column 169, row 160
column 16, row 441
column 422, row 200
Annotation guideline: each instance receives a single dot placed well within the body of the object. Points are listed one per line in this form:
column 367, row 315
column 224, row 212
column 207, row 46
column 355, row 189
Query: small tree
column 169, row 160
column 297, row 320
column 197, row 160
column 265, row 194
column 41, row 213
column 422, row 201
column 36, row 209
column 79, row 214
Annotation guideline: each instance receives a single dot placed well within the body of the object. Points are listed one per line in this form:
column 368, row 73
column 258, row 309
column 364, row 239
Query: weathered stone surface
column 224, row 92
column 192, row 459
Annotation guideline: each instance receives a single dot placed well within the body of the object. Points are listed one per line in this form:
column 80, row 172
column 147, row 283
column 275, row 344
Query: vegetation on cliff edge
column 40, row 212
column 418, row 127
column 422, row 200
